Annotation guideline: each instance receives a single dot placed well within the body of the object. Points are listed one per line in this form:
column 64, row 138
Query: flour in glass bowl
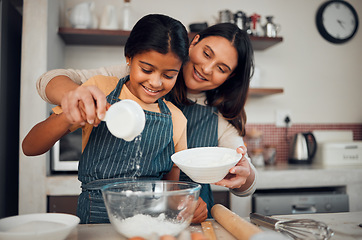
column 146, row 226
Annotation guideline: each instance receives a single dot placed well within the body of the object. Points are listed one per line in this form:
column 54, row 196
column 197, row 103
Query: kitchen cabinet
column 62, row 204
column 99, row 37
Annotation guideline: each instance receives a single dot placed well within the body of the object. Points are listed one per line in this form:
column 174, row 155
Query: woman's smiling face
column 152, row 74
column 212, row 61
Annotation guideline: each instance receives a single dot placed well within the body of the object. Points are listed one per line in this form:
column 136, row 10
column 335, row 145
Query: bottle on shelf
column 127, row 16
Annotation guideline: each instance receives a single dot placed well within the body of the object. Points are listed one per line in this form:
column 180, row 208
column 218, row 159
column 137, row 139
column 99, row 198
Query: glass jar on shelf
column 253, row 140
column 269, row 154
column 257, row 157
column 127, row 16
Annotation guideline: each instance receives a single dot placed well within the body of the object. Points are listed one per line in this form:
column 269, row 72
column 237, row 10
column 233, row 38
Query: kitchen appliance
column 302, row 148
column 296, row 228
column 66, row 152
column 339, row 153
column 337, row 148
column 300, row 201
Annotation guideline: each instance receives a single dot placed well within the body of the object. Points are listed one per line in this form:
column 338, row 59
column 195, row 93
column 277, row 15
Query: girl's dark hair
column 160, row 33
column 230, row 97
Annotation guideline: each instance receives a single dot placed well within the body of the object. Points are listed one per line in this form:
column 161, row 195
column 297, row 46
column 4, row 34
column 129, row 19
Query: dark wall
column 10, row 62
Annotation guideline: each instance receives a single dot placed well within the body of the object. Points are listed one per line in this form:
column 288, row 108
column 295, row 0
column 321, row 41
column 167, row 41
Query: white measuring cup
column 125, row 119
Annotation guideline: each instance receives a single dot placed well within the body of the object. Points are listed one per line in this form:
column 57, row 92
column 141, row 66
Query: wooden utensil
column 208, row 230
column 238, row 227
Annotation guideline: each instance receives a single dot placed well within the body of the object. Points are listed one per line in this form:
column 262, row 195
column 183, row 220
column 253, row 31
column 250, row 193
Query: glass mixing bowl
column 150, row 208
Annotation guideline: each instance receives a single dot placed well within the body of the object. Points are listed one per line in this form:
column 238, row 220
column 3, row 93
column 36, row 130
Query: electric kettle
column 302, row 148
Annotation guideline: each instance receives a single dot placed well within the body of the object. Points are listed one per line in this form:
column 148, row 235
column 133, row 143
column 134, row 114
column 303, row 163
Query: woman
column 211, row 91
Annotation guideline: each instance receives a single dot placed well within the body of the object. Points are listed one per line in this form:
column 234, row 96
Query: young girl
column 155, row 51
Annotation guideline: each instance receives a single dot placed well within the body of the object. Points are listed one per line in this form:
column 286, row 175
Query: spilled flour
column 146, row 226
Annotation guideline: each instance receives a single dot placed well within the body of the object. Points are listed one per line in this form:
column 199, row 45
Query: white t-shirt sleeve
column 78, row 76
column 229, row 137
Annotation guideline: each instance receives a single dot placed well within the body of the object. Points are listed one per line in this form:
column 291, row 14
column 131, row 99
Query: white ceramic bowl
column 150, row 209
column 206, row 164
column 39, row 226
column 125, row 119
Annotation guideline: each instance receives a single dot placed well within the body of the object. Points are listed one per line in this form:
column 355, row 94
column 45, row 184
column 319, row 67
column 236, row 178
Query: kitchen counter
column 345, row 226
column 288, row 176
column 281, row 176
column 107, row 232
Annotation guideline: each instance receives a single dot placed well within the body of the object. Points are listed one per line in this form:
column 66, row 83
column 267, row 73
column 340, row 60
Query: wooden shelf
column 99, row 37
column 262, row 43
column 260, row 92
column 73, row 36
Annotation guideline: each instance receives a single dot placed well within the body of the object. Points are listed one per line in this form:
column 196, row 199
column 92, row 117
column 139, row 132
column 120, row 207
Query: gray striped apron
column 202, row 127
column 107, row 159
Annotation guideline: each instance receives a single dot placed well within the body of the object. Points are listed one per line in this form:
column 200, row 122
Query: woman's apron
column 107, row 159
column 202, row 131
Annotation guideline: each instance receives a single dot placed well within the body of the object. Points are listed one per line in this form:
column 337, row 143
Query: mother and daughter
column 207, row 80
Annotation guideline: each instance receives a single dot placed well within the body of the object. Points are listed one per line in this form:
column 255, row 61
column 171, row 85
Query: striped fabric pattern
column 107, row 157
column 202, row 131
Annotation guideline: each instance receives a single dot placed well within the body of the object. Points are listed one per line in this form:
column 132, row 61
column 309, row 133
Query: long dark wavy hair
column 230, row 97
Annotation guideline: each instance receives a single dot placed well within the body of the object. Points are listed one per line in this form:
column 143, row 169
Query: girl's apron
column 202, row 131
column 107, row 159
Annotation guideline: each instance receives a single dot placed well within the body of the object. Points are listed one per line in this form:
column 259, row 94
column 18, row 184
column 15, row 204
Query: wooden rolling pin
column 238, row 227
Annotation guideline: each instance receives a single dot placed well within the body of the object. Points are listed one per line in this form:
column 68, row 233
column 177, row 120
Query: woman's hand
column 84, row 104
column 200, row 213
column 238, row 174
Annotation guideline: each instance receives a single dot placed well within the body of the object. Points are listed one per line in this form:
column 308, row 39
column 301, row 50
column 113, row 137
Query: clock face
column 337, row 21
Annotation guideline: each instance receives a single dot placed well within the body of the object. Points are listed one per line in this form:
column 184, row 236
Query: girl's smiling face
column 212, row 61
column 152, row 74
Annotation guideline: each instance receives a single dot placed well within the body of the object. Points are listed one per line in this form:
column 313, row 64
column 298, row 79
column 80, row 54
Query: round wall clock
column 337, row 21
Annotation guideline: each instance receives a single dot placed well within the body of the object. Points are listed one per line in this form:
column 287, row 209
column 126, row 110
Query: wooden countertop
column 107, row 232
column 345, row 225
